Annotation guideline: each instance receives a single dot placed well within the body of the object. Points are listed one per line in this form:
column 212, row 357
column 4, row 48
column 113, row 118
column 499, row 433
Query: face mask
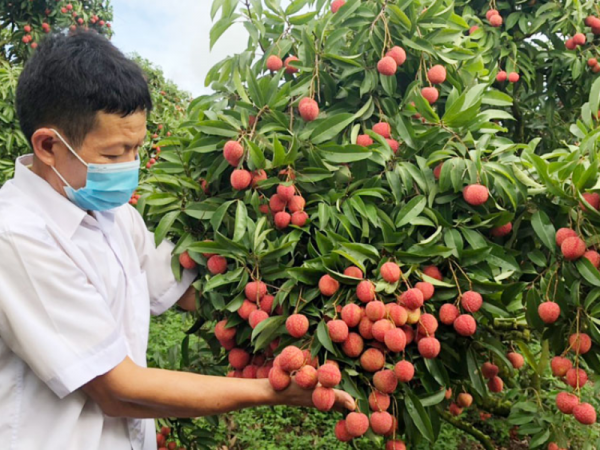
column 107, row 186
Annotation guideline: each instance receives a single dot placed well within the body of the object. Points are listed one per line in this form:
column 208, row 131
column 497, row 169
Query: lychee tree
column 398, row 198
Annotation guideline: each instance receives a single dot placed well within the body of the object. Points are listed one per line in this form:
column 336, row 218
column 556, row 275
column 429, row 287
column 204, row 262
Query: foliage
column 368, row 205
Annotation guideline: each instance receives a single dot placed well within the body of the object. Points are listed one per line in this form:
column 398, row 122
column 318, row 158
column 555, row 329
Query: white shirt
column 76, row 294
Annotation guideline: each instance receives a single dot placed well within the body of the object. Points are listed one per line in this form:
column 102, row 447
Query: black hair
column 70, row 78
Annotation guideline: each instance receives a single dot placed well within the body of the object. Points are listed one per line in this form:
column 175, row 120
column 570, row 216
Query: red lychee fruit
column 394, row 144
column 433, row 272
column 549, row 312
column 365, row 328
column 222, row 333
column 565, row 402
column 375, row 310
column 516, row 359
column 288, row 67
column 383, row 129
column 282, row 220
column 428, row 325
column 427, row 289
column 385, row 381
column 297, row 325
column 464, row 400
column 378, row 401
column 186, row 261
column 299, row 218
column 429, row 347
column 249, row 371
column 592, row 198
column 365, row 291
column 381, row 422
column 341, row 433
column 564, row 233
column 274, row 63
column 233, row 152
column 372, row 360
column 412, row 298
column 338, row 330
column 240, row 179
column 501, row 77
column 437, row 171
column 448, row 313
column 496, row 20
column 560, row 366
column 430, row 94
column 390, row 272
column 576, row 378
column 351, row 314
column 353, row 345
column 387, row 66
column 328, row 285
column 238, row 358
column 291, row 358
column 585, row 414
column 395, row 340
column 489, row 370
column 473, row 29
column 495, row 384
column 364, row 140
column 573, row 248
column 490, row 13
column 309, row 110
column 323, row 398
column 380, row 328
column 580, row 343
column 216, row 264
column 437, row 74
column 296, row 204
column 513, row 77
column 592, row 62
column 257, row 317
column 266, row 303
column 404, row 371
column 471, row 301
column 502, row 230
column 329, row 375
column 246, row 308
column 448, row 394
column 353, row 271
column 455, row 410
column 579, row 39
column 476, row 194
column 593, row 257
column 255, row 290
column 395, row 445
column 397, row 313
column 257, row 176
column 336, row 5
column 397, row 54
column 357, row 424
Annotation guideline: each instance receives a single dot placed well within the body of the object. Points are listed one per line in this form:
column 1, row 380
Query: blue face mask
column 107, row 186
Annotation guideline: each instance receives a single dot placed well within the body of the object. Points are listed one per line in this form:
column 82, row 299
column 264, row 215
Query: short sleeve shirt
column 76, row 294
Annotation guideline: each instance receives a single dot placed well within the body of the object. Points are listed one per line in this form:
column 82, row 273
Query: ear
column 44, row 142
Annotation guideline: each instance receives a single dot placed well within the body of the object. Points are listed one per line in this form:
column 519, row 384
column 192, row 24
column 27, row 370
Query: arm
column 187, row 302
column 132, row 391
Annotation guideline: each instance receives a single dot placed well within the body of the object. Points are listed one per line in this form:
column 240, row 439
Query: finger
column 345, row 400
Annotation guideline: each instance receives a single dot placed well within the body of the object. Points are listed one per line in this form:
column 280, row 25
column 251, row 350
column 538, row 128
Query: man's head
column 97, row 99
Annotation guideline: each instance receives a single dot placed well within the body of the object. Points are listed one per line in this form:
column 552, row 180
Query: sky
column 174, row 35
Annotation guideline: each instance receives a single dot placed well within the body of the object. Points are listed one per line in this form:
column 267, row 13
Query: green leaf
column 411, row 210
column 588, row 271
column 278, row 153
column 257, row 156
column 544, row 229
column 163, row 227
column 540, row 438
column 344, row 154
column 217, row 128
column 595, row 96
column 220, row 27
column 331, row 127
column 474, row 375
column 241, row 216
column 419, row 416
column 433, row 399
column 323, row 337
column 218, row 215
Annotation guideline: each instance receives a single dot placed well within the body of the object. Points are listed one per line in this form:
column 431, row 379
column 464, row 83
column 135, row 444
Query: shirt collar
column 58, row 208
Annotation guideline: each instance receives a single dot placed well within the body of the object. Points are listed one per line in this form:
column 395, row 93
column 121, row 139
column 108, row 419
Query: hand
column 294, row 395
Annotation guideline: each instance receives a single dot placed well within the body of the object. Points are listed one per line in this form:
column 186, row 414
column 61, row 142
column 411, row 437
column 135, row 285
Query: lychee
column 341, row 433
column 516, row 359
column 353, row 345
column 276, row 203
column 372, row 360
column 397, row 54
column 186, row 261
column 501, row 76
column 427, row 289
column 378, row 401
column 390, row 272
column 429, row 347
column 309, row 110
column 430, row 94
column 395, row 445
column 464, row 400
column 375, row 310
column 238, row 358
column 353, row 271
column 593, row 257
column 592, row 198
column 564, row 233
column 357, row 424
column 395, row 340
column 351, row 314
column 297, row 325
column 338, row 330
column 502, row 230
column 274, row 63
column 404, row 371
column 413, row 316
column 296, row 204
column 323, row 398
column 257, row 176
column 288, row 67
column 329, row 375
column 428, row 325
column 385, row 381
column 255, row 290
column 383, row 129
column 380, row 328
column 387, row 66
column 489, row 370
column 394, row 144
column 240, row 179
column 365, row 328
column 299, row 218
column 266, row 303
column 437, row 171
column 437, row 74
column 496, row 20
column 381, row 422
column 336, row 5
column 579, row 39
column 412, row 298
column 216, row 264
column 576, row 378
column 471, row 301
column 476, row 194
column 448, row 313
column 565, row 402
column 585, row 414
column 364, row 140
column 580, row 343
column 397, row 313
column 513, row 77
column 549, row 312
column 246, row 308
column 282, row 220
column 560, row 366
column 473, row 29
column 365, row 291
column 223, row 333
column 455, row 410
column 433, row 272
column 249, row 371
column 328, row 285
column 291, row 358
column 495, row 384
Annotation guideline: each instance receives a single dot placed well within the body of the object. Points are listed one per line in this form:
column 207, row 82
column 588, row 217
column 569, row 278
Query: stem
column 483, row 438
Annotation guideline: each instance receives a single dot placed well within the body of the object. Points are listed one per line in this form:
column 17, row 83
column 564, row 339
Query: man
column 79, row 271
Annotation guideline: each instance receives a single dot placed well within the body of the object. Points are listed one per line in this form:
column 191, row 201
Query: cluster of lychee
column 258, row 304
column 384, row 130
column 286, row 197
column 394, row 58
column 161, row 440
column 512, row 77
column 275, row 63
column 216, row 264
column 435, row 75
column 494, row 18
column 577, row 40
column 134, row 198
column 594, row 23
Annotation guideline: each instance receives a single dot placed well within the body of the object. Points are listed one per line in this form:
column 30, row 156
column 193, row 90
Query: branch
column 495, row 406
column 483, row 438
